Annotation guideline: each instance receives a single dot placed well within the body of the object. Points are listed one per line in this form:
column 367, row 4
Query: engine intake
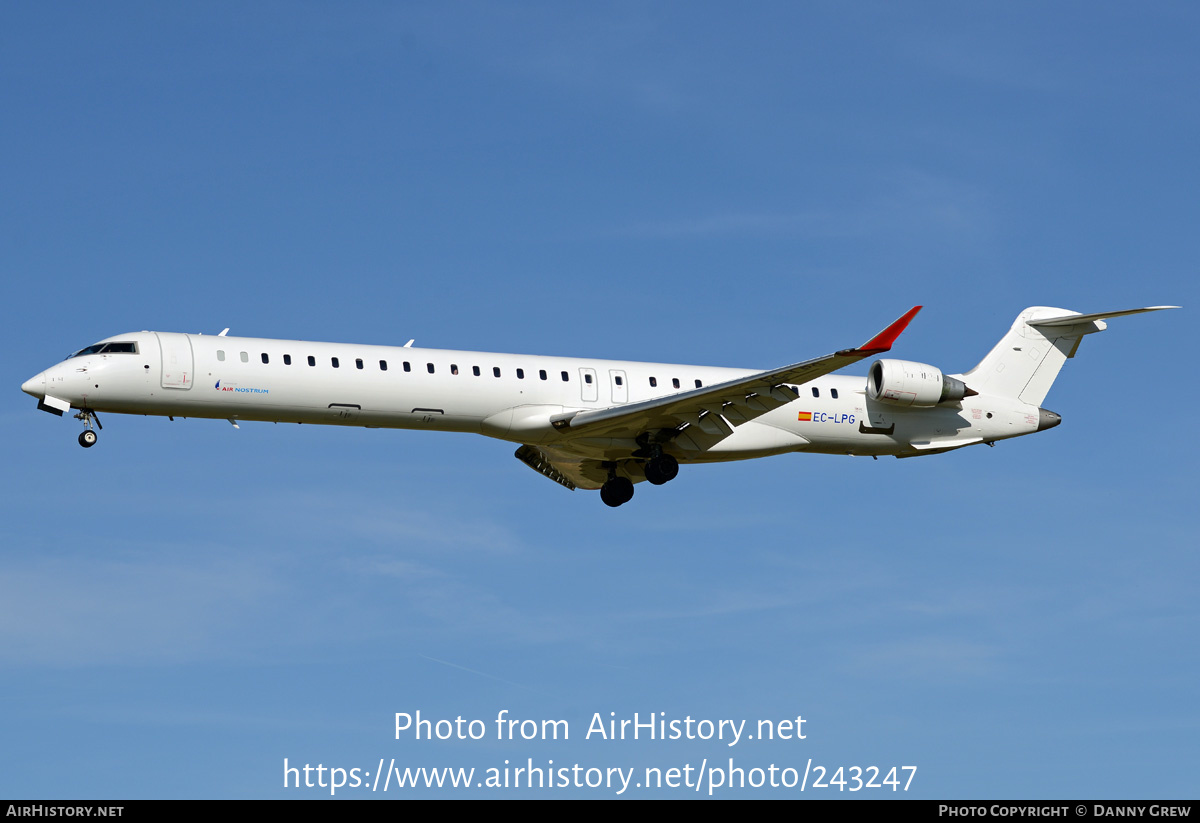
column 904, row 383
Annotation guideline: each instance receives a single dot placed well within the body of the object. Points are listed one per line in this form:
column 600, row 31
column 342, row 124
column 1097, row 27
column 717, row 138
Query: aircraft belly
column 242, row 400
column 757, row 439
column 522, row 424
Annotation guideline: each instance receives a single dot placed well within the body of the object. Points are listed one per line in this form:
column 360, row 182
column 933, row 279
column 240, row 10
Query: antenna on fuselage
column 222, row 334
column 408, row 345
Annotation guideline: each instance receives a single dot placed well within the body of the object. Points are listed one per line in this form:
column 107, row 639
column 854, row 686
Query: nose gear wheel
column 87, row 438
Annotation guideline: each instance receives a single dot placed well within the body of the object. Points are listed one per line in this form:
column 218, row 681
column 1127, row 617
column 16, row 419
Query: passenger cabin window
column 287, row 360
column 566, row 377
column 312, row 361
column 654, row 382
column 520, row 374
column 221, row 355
column 475, row 370
column 407, row 366
column 675, row 382
column 429, row 366
column 833, row 393
column 383, row 365
column 265, row 359
column 816, row 391
column 619, row 381
column 587, row 378
column 245, row 357
column 542, row 373
column 496, row 371
column 699, row 385
column 358, row 363
column 333, row 362
column 454, row 368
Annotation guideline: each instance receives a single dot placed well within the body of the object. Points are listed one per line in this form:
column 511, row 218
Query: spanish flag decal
column 805, row 417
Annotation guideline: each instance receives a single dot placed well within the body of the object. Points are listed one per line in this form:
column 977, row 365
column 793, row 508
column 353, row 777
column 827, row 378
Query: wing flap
column 714, row 424
column 732, row 413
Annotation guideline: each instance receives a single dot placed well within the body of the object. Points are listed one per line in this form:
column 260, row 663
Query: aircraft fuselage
column 506, row 396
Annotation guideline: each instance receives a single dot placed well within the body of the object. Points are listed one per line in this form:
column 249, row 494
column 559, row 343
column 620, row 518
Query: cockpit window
column 107, row 348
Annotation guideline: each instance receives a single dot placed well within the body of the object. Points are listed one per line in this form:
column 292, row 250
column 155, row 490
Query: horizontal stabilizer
column 1072, row 319
column 1025, row 362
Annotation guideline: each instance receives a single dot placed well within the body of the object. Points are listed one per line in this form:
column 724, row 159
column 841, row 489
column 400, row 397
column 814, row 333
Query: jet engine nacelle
column 904, row 383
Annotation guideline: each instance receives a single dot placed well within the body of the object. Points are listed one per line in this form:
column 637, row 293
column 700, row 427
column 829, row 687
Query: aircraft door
column 176, row 360
column 587, row 384
column 620, row 385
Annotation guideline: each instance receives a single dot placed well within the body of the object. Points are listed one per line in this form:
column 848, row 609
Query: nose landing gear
column 87, row 438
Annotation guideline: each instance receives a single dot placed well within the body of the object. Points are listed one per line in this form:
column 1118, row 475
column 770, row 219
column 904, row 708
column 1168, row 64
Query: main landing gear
column 659, row 468
column 87, row 438
column 617, row 490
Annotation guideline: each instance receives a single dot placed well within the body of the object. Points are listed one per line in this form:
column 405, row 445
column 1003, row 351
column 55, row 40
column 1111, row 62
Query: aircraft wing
column 567, row 470
column 706, row 415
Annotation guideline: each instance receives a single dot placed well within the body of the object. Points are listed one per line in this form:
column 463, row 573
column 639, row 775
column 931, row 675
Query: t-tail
column 1025, row 362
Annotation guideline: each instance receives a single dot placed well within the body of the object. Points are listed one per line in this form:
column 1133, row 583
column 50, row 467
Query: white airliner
column 592, row 424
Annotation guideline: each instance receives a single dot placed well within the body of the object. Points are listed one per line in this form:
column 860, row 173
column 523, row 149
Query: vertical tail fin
column 1025, row 362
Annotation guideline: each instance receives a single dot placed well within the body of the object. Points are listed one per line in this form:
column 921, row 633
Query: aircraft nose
column 35, row 385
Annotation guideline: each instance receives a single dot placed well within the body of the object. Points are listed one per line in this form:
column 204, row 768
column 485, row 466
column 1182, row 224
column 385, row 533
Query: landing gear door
column 176, row 360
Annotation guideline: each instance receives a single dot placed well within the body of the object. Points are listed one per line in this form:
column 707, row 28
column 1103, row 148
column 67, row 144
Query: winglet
column 884, row 340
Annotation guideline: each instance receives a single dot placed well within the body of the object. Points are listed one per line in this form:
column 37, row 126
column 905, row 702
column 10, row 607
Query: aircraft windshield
column 107, row 348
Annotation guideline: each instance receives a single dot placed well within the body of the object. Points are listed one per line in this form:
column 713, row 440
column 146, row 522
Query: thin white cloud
column 912, row 203
column 86, row 611
column 934, row 659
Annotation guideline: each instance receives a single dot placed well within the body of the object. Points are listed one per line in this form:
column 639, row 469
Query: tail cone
column 1047, row 419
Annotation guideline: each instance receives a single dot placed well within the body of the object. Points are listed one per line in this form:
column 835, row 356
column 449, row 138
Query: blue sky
column 186, row 604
